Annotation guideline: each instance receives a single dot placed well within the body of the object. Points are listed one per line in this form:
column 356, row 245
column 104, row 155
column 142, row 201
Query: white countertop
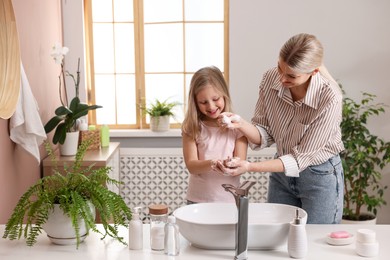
column 94, row 248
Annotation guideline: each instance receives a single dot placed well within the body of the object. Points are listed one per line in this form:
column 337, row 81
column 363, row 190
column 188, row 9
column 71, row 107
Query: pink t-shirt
column 213, row 143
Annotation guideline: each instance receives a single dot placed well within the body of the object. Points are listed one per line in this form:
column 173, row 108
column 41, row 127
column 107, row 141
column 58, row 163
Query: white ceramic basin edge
column 213, row 225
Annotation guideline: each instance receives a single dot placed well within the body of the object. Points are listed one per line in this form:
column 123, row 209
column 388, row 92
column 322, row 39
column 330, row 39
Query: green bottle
column 105, row 136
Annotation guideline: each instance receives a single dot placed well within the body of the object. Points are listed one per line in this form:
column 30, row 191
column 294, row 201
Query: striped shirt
column 306, row 132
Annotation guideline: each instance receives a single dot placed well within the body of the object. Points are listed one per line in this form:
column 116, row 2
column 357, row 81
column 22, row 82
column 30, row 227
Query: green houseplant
column 364, row 156
column 75, row 189
column 160, row 108
column 160, row 112
column 66, row 115
column 65, row 119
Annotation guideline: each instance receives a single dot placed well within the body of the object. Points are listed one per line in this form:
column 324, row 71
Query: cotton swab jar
column 366, row 243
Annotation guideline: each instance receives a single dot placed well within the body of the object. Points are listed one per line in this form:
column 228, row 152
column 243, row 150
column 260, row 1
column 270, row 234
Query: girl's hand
column 234, row 167
column 215, row 166
column 229, row 120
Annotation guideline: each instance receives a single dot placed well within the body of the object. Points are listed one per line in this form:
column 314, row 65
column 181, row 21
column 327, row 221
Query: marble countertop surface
column 95, row 248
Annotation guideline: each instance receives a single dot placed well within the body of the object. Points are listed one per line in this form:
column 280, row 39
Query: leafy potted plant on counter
column 66, row 115
column 160, row 113
column 72, row 194
column 364, row 156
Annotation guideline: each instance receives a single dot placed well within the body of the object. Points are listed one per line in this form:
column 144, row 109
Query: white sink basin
column 213, row 225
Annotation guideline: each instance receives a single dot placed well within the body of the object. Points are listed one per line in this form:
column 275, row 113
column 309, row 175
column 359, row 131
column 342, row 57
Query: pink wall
column 39, row 27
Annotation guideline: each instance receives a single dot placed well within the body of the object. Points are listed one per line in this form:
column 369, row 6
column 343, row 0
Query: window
column 142, row 50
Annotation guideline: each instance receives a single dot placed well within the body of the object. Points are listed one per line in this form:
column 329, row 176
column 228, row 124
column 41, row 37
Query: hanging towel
column 26, row 128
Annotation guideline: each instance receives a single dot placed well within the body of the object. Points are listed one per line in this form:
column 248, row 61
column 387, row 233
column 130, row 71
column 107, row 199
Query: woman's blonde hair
column 304, row 53
column 203, row 77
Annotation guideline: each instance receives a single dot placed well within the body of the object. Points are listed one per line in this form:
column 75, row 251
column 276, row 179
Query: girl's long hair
column 203, row 77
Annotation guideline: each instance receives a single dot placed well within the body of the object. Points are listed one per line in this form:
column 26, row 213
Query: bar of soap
column 340, row 234
column 339, row 238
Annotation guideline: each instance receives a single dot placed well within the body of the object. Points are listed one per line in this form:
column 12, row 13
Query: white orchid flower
column 58, row 52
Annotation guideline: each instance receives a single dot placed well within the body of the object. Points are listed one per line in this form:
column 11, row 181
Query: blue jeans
column 319, row 190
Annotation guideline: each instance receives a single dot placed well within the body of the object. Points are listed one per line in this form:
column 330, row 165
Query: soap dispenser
column 297, row 238
column 136, row 230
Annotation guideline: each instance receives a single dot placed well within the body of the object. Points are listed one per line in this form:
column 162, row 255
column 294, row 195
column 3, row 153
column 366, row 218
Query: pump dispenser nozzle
column 136, row 212
column 297, row 219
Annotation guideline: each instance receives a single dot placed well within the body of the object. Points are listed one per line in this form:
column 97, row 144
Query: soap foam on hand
column 229, row 162
column 228, row 120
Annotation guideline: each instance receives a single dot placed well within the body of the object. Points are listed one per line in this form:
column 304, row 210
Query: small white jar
column 158, row 218
column 366, row 243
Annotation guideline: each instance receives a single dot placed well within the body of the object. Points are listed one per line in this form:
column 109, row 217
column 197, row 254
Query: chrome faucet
column 242, row 201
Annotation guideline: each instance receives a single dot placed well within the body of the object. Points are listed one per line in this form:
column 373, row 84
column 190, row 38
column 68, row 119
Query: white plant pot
column 59, row 227
column 159, row 123
column 360, row 222
column 69, row 148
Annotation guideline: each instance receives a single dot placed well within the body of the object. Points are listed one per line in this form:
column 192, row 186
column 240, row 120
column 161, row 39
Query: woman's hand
column 229, row 120
column 233, row 167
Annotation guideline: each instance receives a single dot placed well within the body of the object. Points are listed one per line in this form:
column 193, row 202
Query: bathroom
column 355, row 35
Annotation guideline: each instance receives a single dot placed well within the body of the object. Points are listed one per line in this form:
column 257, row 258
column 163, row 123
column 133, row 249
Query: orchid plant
column 67, row 114
column 58, row 54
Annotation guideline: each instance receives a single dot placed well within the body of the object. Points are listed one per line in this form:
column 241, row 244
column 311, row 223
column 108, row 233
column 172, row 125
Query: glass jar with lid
column 158, row 214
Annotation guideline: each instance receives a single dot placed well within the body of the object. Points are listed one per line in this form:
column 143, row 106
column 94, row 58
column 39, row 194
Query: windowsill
column 144, row 133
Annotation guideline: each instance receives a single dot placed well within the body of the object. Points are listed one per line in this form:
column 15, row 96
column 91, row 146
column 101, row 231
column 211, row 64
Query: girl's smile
column 210, row 102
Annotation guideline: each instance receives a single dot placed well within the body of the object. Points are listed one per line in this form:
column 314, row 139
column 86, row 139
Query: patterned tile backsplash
column 160, row 176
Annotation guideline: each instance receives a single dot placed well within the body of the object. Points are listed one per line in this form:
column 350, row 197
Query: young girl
column 205, row 144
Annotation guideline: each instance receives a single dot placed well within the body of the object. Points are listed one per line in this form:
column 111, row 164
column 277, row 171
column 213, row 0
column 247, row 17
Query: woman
column 299, row 109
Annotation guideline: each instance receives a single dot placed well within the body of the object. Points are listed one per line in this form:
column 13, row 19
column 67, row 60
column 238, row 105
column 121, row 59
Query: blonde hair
column 304, row 53
column 203, row 77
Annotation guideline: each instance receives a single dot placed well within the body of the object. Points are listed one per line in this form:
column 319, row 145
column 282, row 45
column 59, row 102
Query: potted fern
column 77, row 192
column 160, row 113
column 364, row 156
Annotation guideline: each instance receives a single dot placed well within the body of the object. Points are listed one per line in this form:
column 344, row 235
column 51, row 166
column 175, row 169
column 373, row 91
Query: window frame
column 139, row 63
